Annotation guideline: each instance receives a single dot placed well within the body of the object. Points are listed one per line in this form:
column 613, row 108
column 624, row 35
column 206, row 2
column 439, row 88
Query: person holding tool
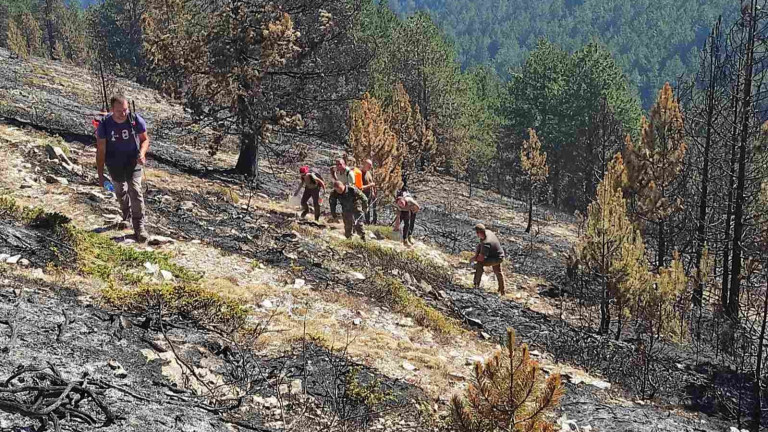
column 406, row 209
column 488, row 253
column 353, row 203
column 122, row 144
column 312, row 184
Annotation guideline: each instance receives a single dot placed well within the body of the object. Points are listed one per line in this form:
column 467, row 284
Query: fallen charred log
column 42, row 394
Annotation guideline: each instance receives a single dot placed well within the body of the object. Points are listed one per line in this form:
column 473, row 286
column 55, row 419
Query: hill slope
column 336, row 313
column 653, row 40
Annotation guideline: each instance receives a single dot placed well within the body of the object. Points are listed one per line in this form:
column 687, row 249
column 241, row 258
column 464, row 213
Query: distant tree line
column 652, row 40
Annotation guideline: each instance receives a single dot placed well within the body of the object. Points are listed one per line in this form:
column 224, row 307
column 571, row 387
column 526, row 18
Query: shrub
column 187, row 300
column 507, row 394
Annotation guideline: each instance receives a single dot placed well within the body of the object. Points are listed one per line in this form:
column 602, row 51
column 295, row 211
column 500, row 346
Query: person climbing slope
column 341, row 172
column 353, row 203
column 312, row 184
column 407, row 207
column 489, row 253
column 122, row 144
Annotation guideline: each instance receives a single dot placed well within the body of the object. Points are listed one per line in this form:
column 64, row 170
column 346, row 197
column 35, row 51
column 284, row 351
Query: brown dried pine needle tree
column 415, row 138
column 534, row 162
column 16, row 42
column 508, row 394
column 370, row 137
column 654, row 163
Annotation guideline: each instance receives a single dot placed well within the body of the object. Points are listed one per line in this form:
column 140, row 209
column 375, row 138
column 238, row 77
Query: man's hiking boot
column 142, row 236
column 123, row 225
column 410, row 240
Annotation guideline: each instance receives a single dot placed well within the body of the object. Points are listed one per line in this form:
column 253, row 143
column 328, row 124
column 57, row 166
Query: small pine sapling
column 508, row 394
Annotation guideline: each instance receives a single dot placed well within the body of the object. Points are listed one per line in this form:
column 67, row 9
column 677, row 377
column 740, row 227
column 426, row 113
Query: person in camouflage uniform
column 353, row 204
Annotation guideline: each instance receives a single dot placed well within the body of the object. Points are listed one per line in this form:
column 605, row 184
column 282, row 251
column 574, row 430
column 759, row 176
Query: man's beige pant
column 496, row 265
column 127, row 182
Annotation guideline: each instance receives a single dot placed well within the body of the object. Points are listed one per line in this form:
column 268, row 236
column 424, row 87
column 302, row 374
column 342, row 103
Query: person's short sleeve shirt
column 122, row 139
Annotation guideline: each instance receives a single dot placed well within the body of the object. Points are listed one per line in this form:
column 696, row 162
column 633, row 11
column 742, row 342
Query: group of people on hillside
column 354, row 189
column 122, row 144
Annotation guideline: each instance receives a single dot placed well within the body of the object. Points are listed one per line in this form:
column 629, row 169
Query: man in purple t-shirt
column 121, row 145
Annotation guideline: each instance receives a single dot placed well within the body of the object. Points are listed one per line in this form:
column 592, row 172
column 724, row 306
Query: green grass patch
column 394, row 292
column 411, row 305
column 370, row 394
column 408, row 261
column 189, row 300
column 31, row 216
column 104, row 259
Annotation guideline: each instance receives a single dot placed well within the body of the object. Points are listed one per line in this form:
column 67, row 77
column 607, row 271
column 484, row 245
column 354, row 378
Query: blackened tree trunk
column 530, row 210
column 661, row 251
column 701, row 229
column 725, row 289
column 248, row 159
column 738, row 213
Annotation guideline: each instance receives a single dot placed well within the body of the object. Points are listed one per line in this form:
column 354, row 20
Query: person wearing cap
column 489, row 253
column 312, row 183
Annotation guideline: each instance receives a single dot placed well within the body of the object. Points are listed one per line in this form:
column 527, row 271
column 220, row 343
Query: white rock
column 54, row 179
column 149, row 354
column 408, row 366
column 357, row 275
column 733, row 429
column 187, row 205
column 13, row 260
column 357, row 321
column 151, row 268
column 426, row 287
column 298, row 283
column 266, row 304
column 603, row 385
column 408, row 279
column 24, row 262
column 38, row 273
column 262, row 196
column 485, row 335
column 160, row 240
column 167, row 276
column 371, row 235
column 271, row 402
column 456, row 376
column 195, row 241
column 296, row 387
column 4, row 257
column 406, row 322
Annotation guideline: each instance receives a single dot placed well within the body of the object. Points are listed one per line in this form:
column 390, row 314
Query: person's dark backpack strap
column 132, row 122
